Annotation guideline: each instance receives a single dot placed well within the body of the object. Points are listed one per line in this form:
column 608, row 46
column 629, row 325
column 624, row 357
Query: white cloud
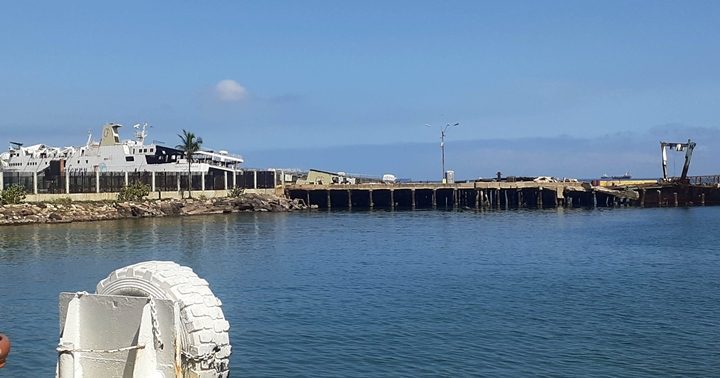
column 230, row 91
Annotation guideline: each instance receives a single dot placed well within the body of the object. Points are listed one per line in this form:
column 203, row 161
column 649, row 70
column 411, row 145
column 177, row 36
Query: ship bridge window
column 152, row 150
column 129, row 158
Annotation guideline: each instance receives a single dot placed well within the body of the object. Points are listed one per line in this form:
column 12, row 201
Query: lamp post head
column 449, row 125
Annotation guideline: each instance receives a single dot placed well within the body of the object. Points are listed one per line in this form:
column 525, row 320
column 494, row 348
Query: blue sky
column 279, row 81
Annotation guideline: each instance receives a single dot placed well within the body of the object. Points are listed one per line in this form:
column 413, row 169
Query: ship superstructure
column 111, row 154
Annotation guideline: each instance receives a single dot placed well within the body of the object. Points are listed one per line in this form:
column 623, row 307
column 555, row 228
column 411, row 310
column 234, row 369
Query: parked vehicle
column 389, row 178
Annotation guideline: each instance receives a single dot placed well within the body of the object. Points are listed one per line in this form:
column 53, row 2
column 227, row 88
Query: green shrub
column 61, row 201
column 134, row 192
column 13, row 194
column 236, row 192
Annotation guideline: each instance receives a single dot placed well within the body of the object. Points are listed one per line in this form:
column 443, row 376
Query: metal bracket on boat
column 94, row 325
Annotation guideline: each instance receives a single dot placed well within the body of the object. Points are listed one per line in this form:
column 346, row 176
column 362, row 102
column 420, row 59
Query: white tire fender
column 205, row 341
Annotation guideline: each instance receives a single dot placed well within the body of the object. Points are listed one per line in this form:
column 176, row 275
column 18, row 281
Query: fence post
column 97, row 181
column 255, row 179
column 2, row 181
column 226, row 183
column 234, row 178
column 202, row 181
column 35, row 191
column 152, row 181
column 67, row 181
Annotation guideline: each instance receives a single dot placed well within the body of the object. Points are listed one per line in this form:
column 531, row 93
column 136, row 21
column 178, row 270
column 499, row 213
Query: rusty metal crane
column 687, row 147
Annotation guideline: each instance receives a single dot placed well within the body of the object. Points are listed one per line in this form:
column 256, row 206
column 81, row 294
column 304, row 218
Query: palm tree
column 190, row 144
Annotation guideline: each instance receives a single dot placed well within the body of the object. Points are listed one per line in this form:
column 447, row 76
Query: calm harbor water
column 621, row 292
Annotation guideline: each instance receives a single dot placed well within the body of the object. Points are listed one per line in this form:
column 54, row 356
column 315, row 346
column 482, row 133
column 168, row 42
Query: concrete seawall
column 84, row 197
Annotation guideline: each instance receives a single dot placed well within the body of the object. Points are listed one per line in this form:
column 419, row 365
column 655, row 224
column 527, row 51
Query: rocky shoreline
column 66, row 211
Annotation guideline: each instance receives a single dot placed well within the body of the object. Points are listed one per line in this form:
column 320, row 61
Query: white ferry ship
column 113, row 155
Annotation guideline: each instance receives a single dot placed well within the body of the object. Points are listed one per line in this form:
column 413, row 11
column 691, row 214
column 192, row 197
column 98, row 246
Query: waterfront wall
column 157, row 195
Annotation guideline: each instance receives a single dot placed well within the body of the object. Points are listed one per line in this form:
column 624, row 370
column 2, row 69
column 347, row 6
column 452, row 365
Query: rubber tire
column 203, row 325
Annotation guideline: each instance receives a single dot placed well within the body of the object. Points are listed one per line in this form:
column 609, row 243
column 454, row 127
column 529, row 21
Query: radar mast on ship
column 140, row 134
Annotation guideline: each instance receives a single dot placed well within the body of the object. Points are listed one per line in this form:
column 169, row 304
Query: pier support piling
column 642, row 198
column 521, row 199
column 540, row 198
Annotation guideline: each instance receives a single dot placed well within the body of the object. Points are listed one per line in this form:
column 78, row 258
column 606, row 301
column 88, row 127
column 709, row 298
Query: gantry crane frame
column 687, row 147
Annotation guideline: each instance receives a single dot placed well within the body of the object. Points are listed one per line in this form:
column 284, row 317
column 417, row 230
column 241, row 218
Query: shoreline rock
column 66, row 212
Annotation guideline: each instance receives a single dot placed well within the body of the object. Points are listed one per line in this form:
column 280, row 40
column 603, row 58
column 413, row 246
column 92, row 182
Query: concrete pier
column 480, row 195
column 499, row 195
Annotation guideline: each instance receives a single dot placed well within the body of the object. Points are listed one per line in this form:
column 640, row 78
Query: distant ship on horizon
column 626, row 176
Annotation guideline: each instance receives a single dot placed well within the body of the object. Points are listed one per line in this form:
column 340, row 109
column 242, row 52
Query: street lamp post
column 443, row 130
column 442, row 145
